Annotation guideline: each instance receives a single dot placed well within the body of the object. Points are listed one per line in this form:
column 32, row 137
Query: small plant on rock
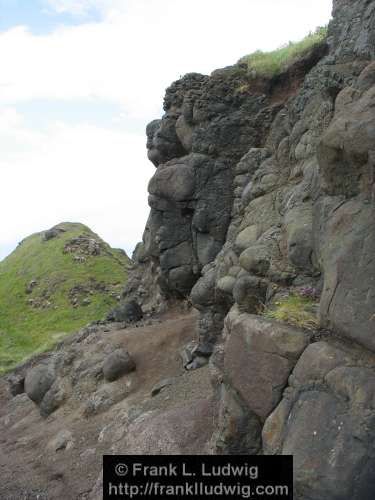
column 295, row 309
column 268, row 64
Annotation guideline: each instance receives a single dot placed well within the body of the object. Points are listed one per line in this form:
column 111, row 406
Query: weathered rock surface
column 259, row 357
column 117, row 364
column 292, row 166
column 128, row 312
column 263, row 191
column 208, row 126
column 38, row 381
column 183, row 430
column 326, row 420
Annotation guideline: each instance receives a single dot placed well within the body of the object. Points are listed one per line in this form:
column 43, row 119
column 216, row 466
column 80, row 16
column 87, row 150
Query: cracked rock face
column 326, row 420
column 263, row 188
column 209, row 124
column 259, row 357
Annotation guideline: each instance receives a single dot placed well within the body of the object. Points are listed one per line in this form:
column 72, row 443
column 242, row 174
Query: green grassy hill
column 54, row 283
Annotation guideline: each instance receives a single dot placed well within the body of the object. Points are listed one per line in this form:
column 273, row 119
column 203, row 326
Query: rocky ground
column 60, row 456
column 262, row 209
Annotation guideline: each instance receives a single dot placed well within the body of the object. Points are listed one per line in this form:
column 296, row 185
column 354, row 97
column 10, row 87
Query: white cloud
column 81, row 173
column 137, row 50
column 99, row 175
column 83, row 7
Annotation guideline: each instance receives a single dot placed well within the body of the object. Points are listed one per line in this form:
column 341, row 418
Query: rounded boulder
column 117, row 364
column 38, row 381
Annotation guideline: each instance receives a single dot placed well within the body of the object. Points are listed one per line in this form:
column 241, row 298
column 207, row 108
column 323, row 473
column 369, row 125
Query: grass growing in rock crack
column 268, row 64
column 30, row 327
column 296, row 310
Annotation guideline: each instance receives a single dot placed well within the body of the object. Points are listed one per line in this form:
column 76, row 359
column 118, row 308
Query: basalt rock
column 209, row 124
column 117, row 364
column 38, row 381
column 262, row 205
column 326, row 421
column 128, row 312
column 264, row 191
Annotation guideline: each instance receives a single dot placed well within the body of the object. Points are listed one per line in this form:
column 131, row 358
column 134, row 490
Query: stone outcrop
column 326, row 420
column 263, row 188
column 209, row 124
column 263, row 198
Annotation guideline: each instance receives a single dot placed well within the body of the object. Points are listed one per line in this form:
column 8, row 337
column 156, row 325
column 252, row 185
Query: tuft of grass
column 268, row 64
column 26, row 330
column 295, row 310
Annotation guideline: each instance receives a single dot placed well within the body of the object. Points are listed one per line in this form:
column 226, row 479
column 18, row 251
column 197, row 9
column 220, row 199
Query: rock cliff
column 264, row 191
column 261, row 221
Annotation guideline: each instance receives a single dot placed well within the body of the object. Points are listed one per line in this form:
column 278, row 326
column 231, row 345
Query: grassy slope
column 25, row 330
column 268, row 64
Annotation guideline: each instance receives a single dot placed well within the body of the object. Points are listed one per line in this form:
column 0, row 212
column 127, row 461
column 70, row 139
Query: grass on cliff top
column 268, row 64
column 26, row 330
column 295, row 310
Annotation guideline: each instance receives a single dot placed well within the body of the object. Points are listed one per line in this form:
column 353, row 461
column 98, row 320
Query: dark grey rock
column 30, row 286
column 128, row 312
column 162, row 141
column 201, row 294
column 53, row 399
column 300, row 238
column 191, row 194
column 326, row 419
column 255, row 260
column 16, row 384
column 38, row 381
column 348, row 298
column 204, row 350
column 345, row 147
column 52, row 233
column 198, row 362
column 117, row 364
column 249, row 293
column 238, row 430
column 259, row 357
column 226, row 284
column 291, row 158
column 186, row 353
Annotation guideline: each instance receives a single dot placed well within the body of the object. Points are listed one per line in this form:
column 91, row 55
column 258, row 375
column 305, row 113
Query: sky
column 79, row 81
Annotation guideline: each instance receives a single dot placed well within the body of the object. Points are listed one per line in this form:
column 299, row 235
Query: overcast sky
column 79, row 81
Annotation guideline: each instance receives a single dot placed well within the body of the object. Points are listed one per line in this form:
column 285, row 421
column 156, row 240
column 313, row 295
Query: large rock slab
column 326, row 420
column 345, row 147
column 237, row 429
column 259, row 357
column 347, row 165
column 348, row 300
